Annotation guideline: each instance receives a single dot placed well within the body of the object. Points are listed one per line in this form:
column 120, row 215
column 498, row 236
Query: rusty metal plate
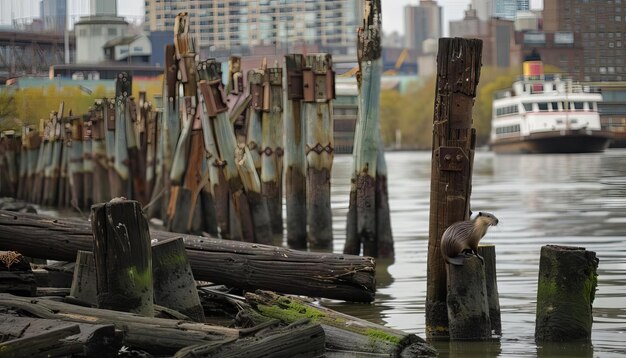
column 452, row 159
column 461, row 111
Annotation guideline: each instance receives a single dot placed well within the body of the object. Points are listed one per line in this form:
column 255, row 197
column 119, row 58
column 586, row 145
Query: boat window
column 503, row 111
column 559, row 121
column 578, row 105
column 543, row 106
column 555, row 106
column 528, row 107
column 507, row 129
column 573, row 121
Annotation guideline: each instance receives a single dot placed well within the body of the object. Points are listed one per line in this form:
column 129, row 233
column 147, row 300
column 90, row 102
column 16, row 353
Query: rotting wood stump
column 123, row 257
column 565, row 293
column 84, row 287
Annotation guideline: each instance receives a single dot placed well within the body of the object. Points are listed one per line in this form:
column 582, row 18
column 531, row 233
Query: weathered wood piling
column 295, row 164
column 368, row 221
column 458, row 72
column 565, row 294
column 467, row 305
column 319, row 91
column 488, row 252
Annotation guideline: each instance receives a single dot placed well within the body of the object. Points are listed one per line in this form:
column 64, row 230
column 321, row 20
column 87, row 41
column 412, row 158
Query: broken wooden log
column 239, row 264
column 343, row 332
column 174, row 286
column 123, row 257
column 567, row 285
column 39, row 344
column 84, row 287
column 84, row 339
column 154, row 335
column 300, row 339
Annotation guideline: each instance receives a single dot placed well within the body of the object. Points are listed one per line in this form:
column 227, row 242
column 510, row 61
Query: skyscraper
column 422, row 22
column 602, row 30
column 237, row 25
column 506, row 9
column 54, row 15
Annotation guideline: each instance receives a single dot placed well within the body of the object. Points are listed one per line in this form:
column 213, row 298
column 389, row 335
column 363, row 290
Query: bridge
column 30, row 53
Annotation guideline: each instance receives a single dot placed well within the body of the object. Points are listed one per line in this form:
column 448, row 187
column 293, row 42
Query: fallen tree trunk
column 239, row 264
column 343, row 332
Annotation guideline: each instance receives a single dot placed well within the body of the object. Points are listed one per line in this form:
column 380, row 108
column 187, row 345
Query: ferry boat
column 546, row 114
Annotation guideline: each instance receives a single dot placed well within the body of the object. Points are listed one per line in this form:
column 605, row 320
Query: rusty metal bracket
column 318, row 86
column 452, row 159
column 213, row 97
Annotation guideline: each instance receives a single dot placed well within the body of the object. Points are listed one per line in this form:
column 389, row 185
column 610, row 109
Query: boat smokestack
column 533, row 66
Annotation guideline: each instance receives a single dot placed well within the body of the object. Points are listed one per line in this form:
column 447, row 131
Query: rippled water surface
column 577, row 200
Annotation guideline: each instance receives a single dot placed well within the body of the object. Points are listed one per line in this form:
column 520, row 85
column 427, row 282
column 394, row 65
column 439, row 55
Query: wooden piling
column 488, row 252
column 100, row 184
column 567, row 284
column 84, row 287
column 468, row 311
column 174, row 286
column 123, row 257
column 458, row 71
column 272, row 147
column 368, row 221
column 295, row 160
column 318, row 93
column 75, row 166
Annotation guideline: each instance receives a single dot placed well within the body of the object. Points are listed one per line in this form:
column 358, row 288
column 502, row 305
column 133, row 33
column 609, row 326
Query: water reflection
column 577, row 200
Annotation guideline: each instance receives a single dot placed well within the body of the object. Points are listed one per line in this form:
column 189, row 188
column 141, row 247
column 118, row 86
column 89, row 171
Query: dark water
column 577, row 200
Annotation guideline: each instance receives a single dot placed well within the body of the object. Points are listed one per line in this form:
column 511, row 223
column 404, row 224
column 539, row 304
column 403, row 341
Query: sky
column 393, row 10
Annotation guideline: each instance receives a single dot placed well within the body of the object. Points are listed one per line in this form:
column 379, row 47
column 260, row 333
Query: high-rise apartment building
column 237, row 26
column 602, row 30
column 505, row 9
column 54, row 15
column 422, row 22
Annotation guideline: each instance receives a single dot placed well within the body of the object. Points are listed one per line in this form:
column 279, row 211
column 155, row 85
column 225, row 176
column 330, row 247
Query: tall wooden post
column 295, row 164
column 89, row 163
column 123, row 87
column 318, row 93
column 458, row 71
column 368, row 222
column 123, row 257
column 272, row 147
column 74, row 144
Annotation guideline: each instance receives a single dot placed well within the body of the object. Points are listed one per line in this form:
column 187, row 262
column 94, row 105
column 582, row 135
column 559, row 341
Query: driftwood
column 184, row 338
column 239, row 264
column 53, row 338
column 343, row 332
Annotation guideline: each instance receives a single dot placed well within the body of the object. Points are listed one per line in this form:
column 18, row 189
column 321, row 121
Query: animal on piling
column 461, row 238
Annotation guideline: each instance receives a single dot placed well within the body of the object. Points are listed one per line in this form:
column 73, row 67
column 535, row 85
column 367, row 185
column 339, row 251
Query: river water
column 577, row 200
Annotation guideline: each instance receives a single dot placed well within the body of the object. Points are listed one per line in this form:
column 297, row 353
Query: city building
column 422, row 22
column 602, row 30
column 54, row 15
column 128, row 49
column 500, row 48
column 95, row 30
column 223, row 27
column 561, row 49
column 506, row 9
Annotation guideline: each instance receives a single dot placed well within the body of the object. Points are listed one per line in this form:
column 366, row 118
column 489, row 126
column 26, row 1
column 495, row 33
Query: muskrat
column 461, row 238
